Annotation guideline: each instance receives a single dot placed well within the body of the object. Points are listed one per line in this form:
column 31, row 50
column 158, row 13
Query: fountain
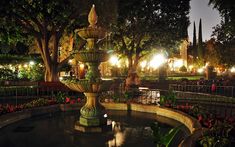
column 92, row 114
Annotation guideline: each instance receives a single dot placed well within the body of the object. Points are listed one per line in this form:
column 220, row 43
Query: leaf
column 167, row 139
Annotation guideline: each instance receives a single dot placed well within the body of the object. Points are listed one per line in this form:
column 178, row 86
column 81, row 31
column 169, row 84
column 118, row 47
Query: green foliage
column 7, row 74
column 60, row 97
column 169, row 98
column 197, row 110
column 6, row 59
column 163, row 139
column 33, row 73
column 144, row 25
column 225, row 31
column 36, row 103
column 217, row 136
column 200, row 48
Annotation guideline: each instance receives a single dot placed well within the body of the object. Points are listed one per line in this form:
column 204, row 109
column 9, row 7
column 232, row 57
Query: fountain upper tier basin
column 89, row 86
column 96, row 33
column 93, row 56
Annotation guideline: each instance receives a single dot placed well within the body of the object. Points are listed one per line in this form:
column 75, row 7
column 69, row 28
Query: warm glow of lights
column 60, row 78
column 40, row 65
column 31, row 63
column 82, row 66
column 158, row 94
column 190, row 67
column 157, row 61
column 113, row 60
column 127, row 62
column 232, row 69
column 70, row 60
column 200, row 70
column 25, row 65
column 11, row 67
column 178, row 63
column 143, row 64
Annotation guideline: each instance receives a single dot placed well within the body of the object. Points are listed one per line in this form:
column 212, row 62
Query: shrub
column 60, row 97
column 7, row 74
column 183, row 69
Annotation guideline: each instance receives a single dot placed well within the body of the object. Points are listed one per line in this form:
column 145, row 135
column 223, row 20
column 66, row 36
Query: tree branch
column 27, row 13
column 74, row 52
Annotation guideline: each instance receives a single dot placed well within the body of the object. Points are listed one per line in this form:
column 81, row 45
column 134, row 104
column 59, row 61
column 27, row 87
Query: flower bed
column 60, row 98
column 220, row 129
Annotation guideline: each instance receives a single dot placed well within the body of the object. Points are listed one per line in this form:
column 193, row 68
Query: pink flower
column 67, row 100
column 200, row 118
column 10, row 108
column 79, row 100
column 72, row 101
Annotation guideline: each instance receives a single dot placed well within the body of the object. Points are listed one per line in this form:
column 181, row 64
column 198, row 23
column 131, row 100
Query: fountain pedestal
column 92, row 114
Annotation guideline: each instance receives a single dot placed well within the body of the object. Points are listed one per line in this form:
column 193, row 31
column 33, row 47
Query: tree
column 147, row 24
column 212, row 53
column 200, row 45
column 46, row 22
column 194, row 41
column 225, row 31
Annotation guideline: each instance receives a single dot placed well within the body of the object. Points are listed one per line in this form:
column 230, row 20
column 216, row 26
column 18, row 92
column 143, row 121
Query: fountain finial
column 92, row 17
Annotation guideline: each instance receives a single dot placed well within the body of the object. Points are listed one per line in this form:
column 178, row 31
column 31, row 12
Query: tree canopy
column 144, row 25
column 225, row 31
column 46, row 22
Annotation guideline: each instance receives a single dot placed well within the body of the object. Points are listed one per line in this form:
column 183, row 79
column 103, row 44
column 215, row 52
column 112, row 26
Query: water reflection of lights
column 105, row 115
column 122, row 133
column 232, row 69
column 119, row 135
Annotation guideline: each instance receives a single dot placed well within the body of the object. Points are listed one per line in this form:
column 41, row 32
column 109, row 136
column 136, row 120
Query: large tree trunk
column 51, row 75
column 49, row 58
column 132, row 80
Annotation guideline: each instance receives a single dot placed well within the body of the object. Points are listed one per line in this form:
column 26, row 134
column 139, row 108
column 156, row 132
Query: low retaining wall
column 191, row 123
column 10, row 118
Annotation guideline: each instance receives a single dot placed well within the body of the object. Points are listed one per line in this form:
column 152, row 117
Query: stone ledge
column 70, row 107
column 10, row 118
column 13, row 117
column 191, row 123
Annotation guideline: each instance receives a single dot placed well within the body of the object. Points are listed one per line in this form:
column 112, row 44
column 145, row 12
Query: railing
column 228, row 91
column 19, row 94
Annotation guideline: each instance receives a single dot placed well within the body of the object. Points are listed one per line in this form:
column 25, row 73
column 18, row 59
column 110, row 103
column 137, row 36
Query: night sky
column 210, row 18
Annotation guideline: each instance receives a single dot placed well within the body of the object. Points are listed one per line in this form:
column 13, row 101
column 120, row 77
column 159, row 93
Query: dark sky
column 210, row 18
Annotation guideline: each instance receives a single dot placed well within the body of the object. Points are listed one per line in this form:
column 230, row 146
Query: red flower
column 200, row 118
column 231, row 120
column 72, row 101
column 79, row 100
column 10, row 108
column 67, row 100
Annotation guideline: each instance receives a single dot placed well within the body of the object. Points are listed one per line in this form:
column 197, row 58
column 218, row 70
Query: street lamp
column 113, row 60
column 157, row 61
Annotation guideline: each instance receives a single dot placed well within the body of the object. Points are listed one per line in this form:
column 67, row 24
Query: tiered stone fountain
column 92, row 114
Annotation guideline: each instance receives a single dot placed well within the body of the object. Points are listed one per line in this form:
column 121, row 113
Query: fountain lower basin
column 131, row 129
